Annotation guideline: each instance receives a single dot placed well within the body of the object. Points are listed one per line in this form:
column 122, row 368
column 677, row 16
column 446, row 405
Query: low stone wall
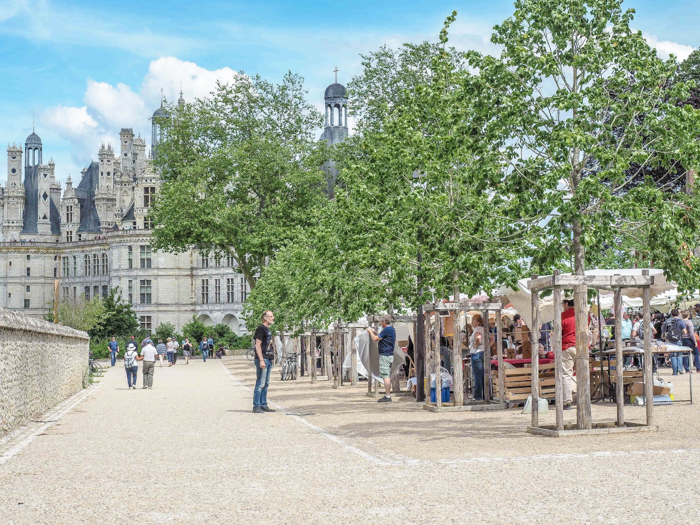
column 41, row 364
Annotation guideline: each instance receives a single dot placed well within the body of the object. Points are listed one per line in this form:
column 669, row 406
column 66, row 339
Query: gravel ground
column 190, row 451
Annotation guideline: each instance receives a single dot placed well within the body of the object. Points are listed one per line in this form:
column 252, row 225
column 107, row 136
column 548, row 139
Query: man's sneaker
column 267, row 409
column 385, row 399
column 144, row 387
column 568, row 406
column 258, row 410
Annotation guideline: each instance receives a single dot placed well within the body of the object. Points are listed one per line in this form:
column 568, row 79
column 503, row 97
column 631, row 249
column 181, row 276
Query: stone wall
column 41, row 364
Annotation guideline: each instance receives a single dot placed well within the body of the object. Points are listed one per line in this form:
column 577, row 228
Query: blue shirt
column 626, row 328
column 113, row 345
column 387, row 341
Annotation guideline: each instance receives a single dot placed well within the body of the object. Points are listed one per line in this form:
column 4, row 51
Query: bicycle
column 289, row 368
column 95, row 367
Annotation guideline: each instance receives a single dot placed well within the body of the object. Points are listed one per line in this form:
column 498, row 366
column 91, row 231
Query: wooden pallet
column 518, row 383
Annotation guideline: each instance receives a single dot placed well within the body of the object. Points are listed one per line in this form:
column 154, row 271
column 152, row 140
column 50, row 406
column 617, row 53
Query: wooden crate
column 518, row 383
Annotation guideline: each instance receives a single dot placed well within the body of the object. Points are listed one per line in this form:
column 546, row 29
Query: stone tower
column 336, row 126
column 33, row 152
column 105, row 200
column 13, row 196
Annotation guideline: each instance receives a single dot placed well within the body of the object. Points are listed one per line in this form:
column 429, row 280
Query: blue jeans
column 696, row 354
column 131, row 375
column 676, row 363
column 170, row 357
column 478, row 373
column 690, row 343
column 205, row 354
column 262, row 380
column 113, row 357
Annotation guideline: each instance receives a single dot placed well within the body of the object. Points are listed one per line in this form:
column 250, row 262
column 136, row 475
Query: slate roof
column 335, row 91
column 31, row 199
column 129, row 215
column 89, row 220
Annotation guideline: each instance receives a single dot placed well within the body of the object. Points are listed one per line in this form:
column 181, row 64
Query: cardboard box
column 637, row 389
column 522, row 333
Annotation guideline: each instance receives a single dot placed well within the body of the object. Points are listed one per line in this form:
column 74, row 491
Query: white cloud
column 115, row 106
column 110, row 107
column 69, row 122
column 169, row 73
column 666, row 48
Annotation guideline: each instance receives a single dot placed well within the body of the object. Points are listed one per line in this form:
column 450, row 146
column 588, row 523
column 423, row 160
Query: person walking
column 131, row 357
column 210, row 344
column 264, row 355
column 170, row 348
column 146, row 340
column 186, row 350
column 162, row 350
column 176, row 345
column 204, row 348
column 568, row 350
column 386, row 339
column 148, row 356
column 113, row 350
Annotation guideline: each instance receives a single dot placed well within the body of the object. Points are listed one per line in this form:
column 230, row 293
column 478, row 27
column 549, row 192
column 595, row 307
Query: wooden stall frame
column 584, row 423
column 432, row 351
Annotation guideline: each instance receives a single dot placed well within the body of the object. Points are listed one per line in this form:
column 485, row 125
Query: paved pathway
column 190, row 451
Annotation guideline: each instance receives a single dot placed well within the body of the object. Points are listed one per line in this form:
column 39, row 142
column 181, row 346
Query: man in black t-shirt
column 264, row 355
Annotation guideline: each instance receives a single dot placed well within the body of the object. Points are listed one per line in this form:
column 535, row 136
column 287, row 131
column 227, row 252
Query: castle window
column 244, row 290
column 105, row 264
column 105, row 291
column 26, row 303
column 55, row 272
column 145, row 256
column 205, row 291
column 145, row 321
column 29, row 272
column 145, row 291
column 86, row 265
column 95, row 264
column 130, row 259
column 65, row 266
column 217, row 290
column 205, row 261
column 13, row 170
column 95, row 292
column 75, row 267
column 69, row 214
column 230, row 290
column 148, row 194
column 29, row 289
column 69, row 236
column 29, row 257
column 87, row 293
column 148, row 223
column 131, row 292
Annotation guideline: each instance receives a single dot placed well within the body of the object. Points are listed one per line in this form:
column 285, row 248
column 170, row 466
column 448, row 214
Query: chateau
column 88, row 239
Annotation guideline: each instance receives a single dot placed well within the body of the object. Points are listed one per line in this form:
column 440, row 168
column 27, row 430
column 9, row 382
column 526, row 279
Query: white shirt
column 130, row 358
column 635, row 327
column 149, row 353
column 473, row 349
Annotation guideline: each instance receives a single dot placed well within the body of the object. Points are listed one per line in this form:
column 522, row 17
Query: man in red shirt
column 568, row 347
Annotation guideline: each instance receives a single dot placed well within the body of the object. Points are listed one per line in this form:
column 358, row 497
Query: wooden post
column 419, row 354
column 438, row 371
column 535, row 345
column 556, row 339
column 370, row 379
column 329, row 366
column 457, row 359
column 312, row 352
column 487, row 356
column 619, row 363
column 334, row 355
column 583, row 379
column 353, row 357
column 375, row 354
column 343, row 336
column 648, row 364
column 323, row 355
column 501, row 366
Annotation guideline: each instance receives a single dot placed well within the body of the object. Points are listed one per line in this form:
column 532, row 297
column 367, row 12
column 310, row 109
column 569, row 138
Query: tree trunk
column 583, row 410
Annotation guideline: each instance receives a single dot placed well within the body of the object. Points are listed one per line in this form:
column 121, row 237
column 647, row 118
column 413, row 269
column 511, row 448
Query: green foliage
column 165, row 330
column 195, row 330
column 81, row 314
column 119, row 318
column 241, row 172
column 576, row 109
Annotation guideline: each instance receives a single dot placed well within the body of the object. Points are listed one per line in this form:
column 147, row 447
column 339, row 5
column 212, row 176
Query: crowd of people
column 152, row 352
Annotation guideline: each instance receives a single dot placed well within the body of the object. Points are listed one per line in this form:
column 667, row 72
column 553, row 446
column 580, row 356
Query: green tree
column 241, row 172
column 80, row 314
column 195, row 330
column 574, row 101
column 119, row 318
column 689, row 71
column 165, row 330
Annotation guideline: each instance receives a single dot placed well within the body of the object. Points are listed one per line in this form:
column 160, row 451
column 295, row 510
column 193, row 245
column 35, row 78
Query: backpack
column 130, row 359
column 674, row 330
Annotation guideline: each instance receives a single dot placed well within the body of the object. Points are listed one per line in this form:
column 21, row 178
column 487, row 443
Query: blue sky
column 85, row 69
